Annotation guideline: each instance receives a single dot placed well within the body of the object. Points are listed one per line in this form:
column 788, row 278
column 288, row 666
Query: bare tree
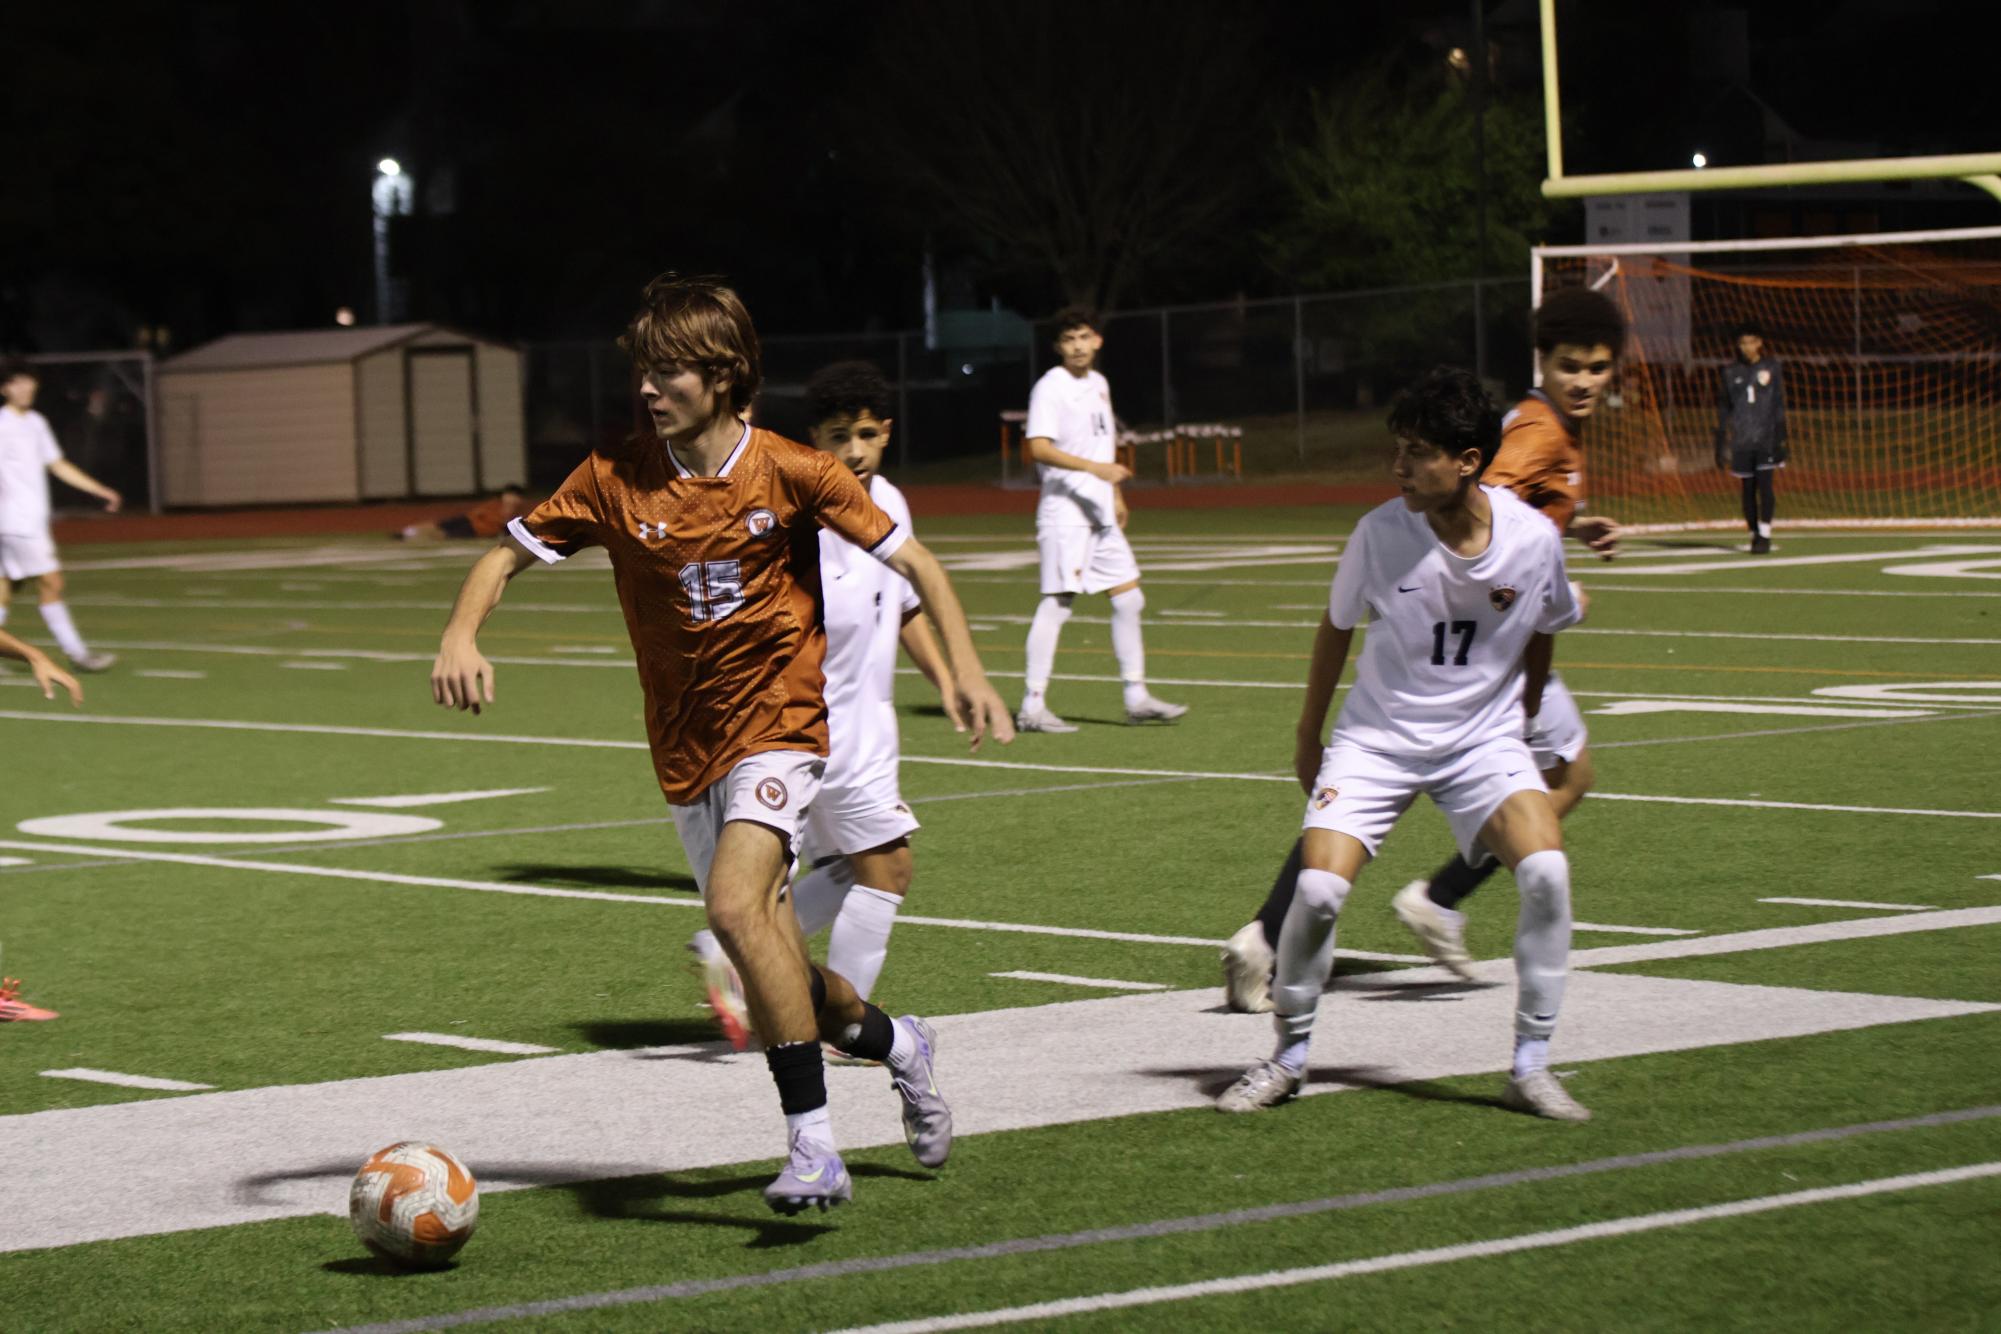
column 1086, row 143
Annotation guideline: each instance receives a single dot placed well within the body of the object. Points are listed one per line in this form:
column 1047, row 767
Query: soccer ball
column 414, row 1204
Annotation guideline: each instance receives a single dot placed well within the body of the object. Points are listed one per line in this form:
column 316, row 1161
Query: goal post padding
column 1891, row 355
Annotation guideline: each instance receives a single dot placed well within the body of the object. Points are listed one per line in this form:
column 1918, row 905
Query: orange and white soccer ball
column 414, row 1204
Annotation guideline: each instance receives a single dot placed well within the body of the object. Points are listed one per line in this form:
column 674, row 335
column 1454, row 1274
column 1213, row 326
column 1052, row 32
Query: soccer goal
column 100, row 405
column 1891, row 348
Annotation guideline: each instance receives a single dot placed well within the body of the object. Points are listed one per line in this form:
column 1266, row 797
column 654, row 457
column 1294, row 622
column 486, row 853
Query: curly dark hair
column 1076, row 317
column 1581, row 317
column 1447, row 408
column 697, row 322
column 848, row 389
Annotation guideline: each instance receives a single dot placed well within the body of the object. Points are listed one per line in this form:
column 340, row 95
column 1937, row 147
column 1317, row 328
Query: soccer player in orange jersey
column 485, row 519
column 713, row 529
column 1579, row 334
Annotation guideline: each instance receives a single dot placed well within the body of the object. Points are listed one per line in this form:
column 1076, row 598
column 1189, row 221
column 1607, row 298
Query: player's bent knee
column 1544, row 880
column 1320, row 893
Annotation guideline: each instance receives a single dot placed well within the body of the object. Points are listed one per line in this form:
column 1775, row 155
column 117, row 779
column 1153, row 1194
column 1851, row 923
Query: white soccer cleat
column 1540, row 1093
column 1151, row 710
column 1441, row 931
column 94, row 662
column 1247, row 969
column 1040, row 719
column 1266, row 1084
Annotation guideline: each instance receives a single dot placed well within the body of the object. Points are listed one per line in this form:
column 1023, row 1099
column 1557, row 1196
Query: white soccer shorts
column 774, row 788
column 855, row 817
column 1362, row 793
column 1556, row 734
column 1080, row 559
column 28, row 555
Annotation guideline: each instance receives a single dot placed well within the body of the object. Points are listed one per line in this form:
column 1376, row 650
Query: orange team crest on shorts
column 772, row 793
column 1502, row 597
column 1325, row 798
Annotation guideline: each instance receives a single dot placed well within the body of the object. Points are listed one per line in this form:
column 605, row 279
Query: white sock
column 705, row 944
column 860, row 940
column 1305, row 959
column 1127, row 645
column 903, row 1048
column 3, row 613
column 817, row 896
column 1765, row 531
column 1542, row 942
column 1043, row 632
column 56, row 616
column 1531, row 1055
column 815, row 1125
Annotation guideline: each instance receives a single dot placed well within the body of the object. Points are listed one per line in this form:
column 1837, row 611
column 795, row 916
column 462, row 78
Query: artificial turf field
column 1798, row 1104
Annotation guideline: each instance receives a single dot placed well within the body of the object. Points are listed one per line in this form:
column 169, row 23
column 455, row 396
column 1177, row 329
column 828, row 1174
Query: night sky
column 206, row 166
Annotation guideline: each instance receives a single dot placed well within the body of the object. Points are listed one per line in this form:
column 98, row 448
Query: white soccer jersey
column 865, row 605
column 1441, row 666
column 1075, row 412
column 27, row 448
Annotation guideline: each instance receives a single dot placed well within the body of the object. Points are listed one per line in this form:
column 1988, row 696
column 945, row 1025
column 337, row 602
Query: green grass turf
column 244, row 978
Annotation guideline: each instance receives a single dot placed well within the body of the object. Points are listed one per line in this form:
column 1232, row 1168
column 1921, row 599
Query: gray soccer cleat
column 1040, row 719
column 94, row 662
column 927, row 1121
column 1151, row 710
column 814, row 1178
column 1266, row 1084
column 1441, row 931
column 1247, row 969
column 1541, row 1094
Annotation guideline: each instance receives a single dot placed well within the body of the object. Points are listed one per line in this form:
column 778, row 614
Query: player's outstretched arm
column 1330, row 655
column 461, row 678
column 1597, row 532
column 1043, row 450
column 980, row 707
column 83, row 481
column 47, row 675
column 922, row 648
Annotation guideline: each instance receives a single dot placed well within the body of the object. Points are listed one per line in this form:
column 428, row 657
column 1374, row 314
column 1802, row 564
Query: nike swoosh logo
column 1412, row 589
column 810, row 1177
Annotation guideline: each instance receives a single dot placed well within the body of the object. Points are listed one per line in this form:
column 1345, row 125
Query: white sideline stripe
column 225, row 603
column 435, row 798
column 471, row 1044
column 607, row 896
column 1109, row 983
column 27, row 681
column 163, row 674
column 1472, row 1250
column 1635, row 930
column 1012, row 619
column 325, row 729
column 89, row 1076
column 1840, row 558
column 583, row 648
column 1856, row 903
column 1628, row 708
column 1596, row 587
column 16, row 861
column 1772, row 938
column 314, row 666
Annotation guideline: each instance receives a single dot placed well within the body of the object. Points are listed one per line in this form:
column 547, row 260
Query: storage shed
column 390, row 412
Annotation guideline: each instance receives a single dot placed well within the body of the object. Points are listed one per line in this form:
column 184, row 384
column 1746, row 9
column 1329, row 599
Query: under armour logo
column 652, row 530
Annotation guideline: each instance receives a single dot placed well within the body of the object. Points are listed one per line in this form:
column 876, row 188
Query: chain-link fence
column 1305, row 378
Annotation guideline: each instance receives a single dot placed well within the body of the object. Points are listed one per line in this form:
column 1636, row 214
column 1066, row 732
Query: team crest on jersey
column 1502, row 597
column 1764, row 377
column 772, row 793
column 760, row 522
column 1325, row 798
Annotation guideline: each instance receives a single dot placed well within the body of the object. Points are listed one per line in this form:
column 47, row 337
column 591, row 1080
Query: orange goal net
column 1891, row 353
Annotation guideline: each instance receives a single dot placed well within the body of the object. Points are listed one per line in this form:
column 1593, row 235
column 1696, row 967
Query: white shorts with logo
column 857, row 816
column 1081, row 559
column 1556, row 734
column 1361, row 793
column 774, row 788
column 28, row 555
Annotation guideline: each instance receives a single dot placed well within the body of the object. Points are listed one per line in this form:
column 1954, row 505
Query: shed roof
column 307, row 347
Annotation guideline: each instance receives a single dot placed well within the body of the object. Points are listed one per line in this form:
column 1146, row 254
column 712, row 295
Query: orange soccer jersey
column 719, row 579
column 1540, row 459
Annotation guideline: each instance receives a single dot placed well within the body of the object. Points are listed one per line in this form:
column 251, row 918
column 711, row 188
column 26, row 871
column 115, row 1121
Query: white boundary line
column 1380, row 1264
column 1856, row 903
column 1635, row 930
column 966, row 762
column 1108, row 983
column 89, row 1076
column 494, row 1045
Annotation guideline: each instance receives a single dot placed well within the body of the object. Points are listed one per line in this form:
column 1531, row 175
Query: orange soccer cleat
column 13, row 1008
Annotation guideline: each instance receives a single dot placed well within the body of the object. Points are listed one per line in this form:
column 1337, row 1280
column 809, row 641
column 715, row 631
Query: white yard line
column 1383, row 1264
column 1855, row 903
column 494, row 1045
column 1108, row 983
column 162, row 674
column 1635, row 930
column 1783, row 937
column 436, row 798
column 285, row 1151
column 16, row 861
column 314, row 666
column 1594, row 586
column 126, row 1081
column 968, row 762
column 1837, row 558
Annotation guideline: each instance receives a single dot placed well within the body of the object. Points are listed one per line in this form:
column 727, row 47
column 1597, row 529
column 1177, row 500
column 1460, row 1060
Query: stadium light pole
column 392, row 196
